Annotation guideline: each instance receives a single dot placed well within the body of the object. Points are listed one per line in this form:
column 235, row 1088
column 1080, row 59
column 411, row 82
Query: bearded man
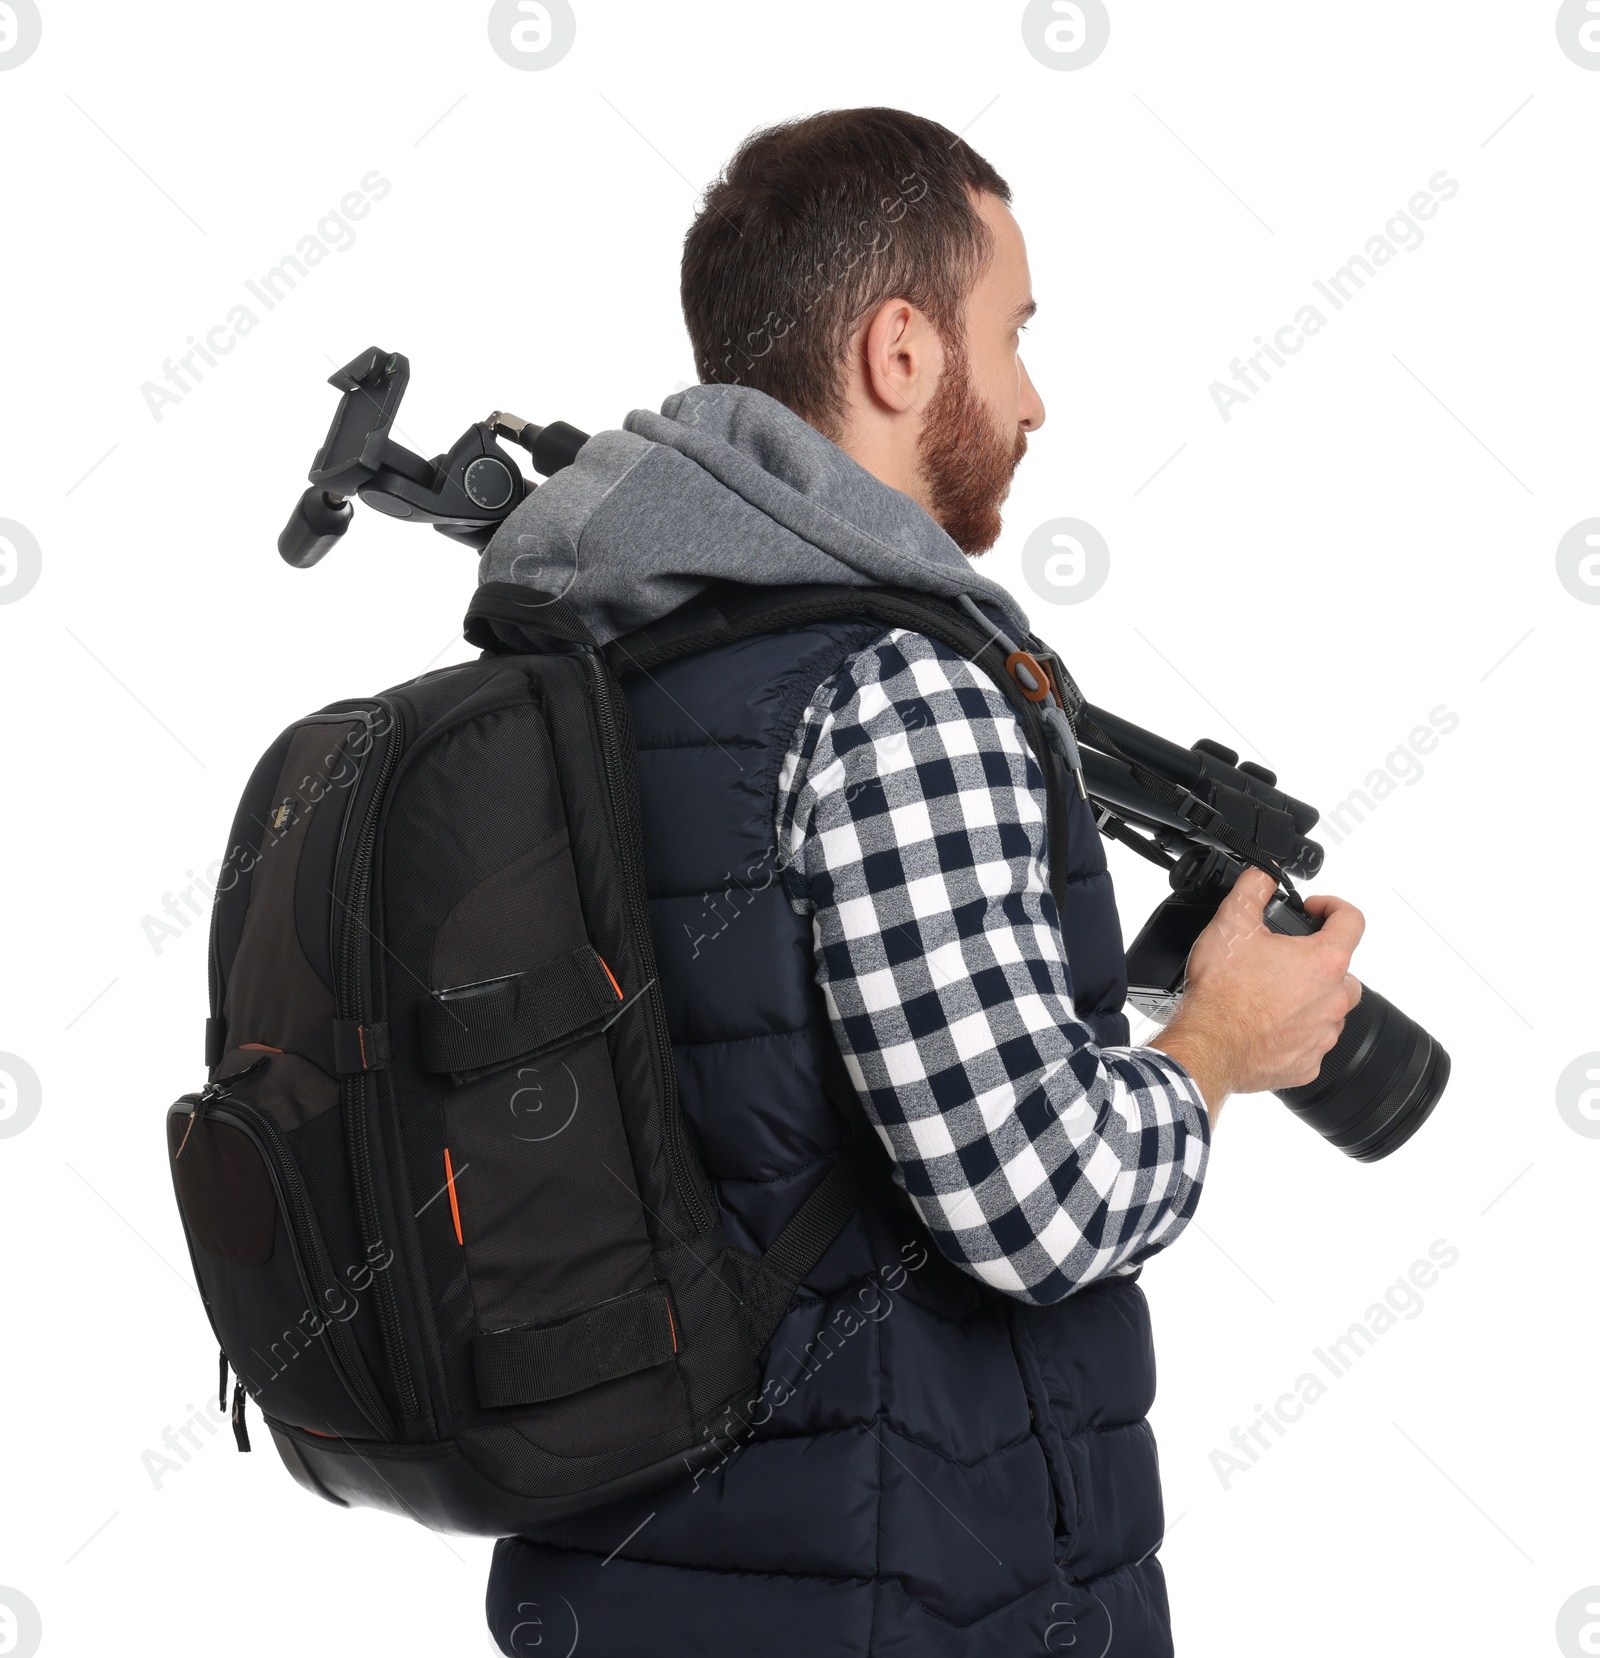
column 857, row 922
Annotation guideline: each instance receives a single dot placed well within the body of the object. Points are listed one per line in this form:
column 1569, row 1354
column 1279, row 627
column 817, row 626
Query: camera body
column 1379, row 1081
column 1157, row 958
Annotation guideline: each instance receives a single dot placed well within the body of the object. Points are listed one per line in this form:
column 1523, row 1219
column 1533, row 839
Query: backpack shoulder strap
column 728, row 612
column 508, row 618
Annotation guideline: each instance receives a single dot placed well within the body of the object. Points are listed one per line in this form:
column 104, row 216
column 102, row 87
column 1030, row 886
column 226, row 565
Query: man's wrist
column 1190, row 1041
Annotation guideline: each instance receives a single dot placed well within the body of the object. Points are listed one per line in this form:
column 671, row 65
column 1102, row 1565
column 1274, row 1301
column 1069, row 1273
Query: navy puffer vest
column 931, row 1468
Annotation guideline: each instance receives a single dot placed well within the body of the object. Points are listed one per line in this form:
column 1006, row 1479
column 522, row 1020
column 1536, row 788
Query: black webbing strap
column 526, row 1366
column 475, row 1028
column 770, row 1280
column 1113, row 828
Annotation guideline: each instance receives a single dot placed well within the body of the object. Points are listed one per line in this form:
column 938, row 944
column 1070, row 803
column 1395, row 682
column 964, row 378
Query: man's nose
column 1030, row 406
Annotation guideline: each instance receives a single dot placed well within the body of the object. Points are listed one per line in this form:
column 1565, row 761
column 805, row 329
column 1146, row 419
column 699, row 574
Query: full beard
column 967, row 460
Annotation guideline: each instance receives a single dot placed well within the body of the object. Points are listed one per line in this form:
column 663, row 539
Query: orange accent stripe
column 361, row 1040
column 610, row 975
column 672, row 1325
column 450, row 1181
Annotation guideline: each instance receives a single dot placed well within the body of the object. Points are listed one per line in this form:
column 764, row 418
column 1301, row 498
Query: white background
column 1363, row 542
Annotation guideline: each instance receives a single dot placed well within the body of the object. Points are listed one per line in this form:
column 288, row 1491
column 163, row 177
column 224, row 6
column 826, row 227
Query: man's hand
column 1260, row 1009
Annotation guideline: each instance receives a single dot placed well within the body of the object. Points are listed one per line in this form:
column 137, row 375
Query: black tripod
column 1200, row 812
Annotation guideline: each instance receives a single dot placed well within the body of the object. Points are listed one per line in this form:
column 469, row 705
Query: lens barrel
column 1377, row 1084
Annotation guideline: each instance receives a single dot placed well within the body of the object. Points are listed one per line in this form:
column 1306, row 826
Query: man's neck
column 888, row 455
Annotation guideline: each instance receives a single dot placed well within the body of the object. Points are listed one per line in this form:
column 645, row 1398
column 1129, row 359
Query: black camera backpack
column 437, row 1190
column 437, row 1187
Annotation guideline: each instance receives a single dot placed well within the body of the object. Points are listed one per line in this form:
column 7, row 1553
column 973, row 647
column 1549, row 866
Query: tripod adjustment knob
column 487, row 482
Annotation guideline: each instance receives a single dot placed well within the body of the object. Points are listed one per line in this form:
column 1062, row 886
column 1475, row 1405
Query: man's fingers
column 1342, row 923
column 1352, row 986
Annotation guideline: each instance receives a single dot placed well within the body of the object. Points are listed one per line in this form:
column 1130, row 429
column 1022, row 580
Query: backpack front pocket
column 279, row 1310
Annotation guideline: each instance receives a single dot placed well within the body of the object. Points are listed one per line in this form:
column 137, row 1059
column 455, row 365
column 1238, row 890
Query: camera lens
column 1378, row 1082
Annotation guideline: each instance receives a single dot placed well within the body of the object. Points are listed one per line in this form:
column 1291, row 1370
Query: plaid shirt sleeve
column 911, row 828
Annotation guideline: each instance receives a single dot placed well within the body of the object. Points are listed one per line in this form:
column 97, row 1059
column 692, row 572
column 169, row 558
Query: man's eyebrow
column 1024, row 311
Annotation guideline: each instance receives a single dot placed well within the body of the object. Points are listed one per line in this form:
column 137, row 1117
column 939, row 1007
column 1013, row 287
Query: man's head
column 862, row 267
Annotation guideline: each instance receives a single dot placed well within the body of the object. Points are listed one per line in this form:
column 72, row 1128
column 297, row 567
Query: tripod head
column 464, row 494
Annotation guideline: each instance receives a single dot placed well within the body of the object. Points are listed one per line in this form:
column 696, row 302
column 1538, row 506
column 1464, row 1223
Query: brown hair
column 813, row 224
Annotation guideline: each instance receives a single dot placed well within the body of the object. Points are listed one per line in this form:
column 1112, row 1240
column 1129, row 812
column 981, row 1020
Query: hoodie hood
column 725, row 484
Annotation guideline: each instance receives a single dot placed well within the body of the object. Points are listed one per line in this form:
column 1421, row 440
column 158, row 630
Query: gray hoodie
column 725, row 483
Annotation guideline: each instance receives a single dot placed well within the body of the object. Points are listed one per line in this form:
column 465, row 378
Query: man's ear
column 902, row 357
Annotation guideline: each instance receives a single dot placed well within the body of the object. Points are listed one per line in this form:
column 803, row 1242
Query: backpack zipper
column 352, row 996
column 618, row 762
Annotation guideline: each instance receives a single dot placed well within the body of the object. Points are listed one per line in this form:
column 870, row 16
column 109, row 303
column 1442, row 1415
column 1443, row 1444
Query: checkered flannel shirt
column 911, row 828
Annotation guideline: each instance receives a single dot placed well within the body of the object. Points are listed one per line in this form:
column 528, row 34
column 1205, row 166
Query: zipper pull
column 222, row 1379
column 241, row 1434
column 183, row 1144
column 212, row 1092
column 223, row 1086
